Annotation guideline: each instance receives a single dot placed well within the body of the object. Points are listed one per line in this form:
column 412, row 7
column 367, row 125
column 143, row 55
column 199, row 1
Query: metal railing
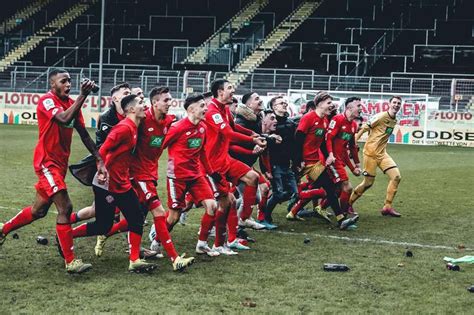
column 154, row 41
column 182, row 17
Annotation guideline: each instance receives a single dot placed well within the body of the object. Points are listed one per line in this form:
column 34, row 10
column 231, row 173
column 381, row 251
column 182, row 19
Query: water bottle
column 42, row 240
column 335, row 267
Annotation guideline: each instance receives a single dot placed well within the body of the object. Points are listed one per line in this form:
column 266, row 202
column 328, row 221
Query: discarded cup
column 42, row 240
column 335, row 267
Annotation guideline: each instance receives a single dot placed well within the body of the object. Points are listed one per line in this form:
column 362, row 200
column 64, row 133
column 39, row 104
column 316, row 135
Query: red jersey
column 220, row 132
column 151, row 134
column 54, row 143
column 185, row 142
column 117, row 153
column 314, row 127
column 339, row 135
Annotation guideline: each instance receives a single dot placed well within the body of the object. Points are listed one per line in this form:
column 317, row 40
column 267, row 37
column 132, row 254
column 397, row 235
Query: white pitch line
column 340, row 238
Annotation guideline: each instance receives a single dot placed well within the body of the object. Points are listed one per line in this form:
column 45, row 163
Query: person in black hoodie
column 283, row 179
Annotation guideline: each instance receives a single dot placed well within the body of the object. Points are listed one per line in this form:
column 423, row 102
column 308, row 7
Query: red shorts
column 198, row 189
column 51, row 180
column 337, row 172
column 236, row 171
column 146, row 192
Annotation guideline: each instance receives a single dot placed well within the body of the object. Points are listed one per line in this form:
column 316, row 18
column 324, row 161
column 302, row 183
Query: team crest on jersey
column 223, row 126
column 194, row 143
column 319, row 132
column 109, row 199
column 217, row 118
column 156, row 141
column 151, row 129
column 188, row 133
column 343, row 127
column 389, row 130
column 201, row 130
column 48, row 104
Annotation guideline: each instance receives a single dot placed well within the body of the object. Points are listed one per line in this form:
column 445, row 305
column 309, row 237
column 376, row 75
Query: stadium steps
column 200, row 54
column 47, row 31
column 23, row 15
column 273, row 40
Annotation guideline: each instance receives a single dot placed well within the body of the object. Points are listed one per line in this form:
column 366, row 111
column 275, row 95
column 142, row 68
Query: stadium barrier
column 420, row 120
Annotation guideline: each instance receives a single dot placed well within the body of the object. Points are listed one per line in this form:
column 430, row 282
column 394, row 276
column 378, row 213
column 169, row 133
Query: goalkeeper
column 380, row 127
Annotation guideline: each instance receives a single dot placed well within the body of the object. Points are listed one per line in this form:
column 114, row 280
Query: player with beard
column 380, row 127
column 57, row 115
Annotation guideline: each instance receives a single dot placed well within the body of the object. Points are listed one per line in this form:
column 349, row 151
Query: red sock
column 134, row 241
column 164, row 237
column 261, row 207
column 249, row 199
column 232, row 223
column 207, row 222
column 344, row 199
column 324, row 203
column 313, row 193
column 221, row 220
column 73, row 218
column 22, row 218
column 64, row 232
column 303, row 186
column 299, row 205
column 79, row 231
column 121, row 226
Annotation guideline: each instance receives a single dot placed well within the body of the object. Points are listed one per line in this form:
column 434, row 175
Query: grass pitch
column 280, row 274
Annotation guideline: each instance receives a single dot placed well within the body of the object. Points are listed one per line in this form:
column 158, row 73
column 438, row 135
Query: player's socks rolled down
column 344, row 200
column 22, row 218
column 64, row 232
column 232, row 223
column 79, row 231
column 221, row 220
column 164, row 237
column 249, row 199
column 207, row 222
column 394, row 175
column 121, row 226
column 134, row 240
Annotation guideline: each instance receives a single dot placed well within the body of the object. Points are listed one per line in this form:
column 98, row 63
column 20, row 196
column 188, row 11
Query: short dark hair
column 158, row 91
column 127, row 102
column 123, row 85
column 207, row 94
column 310, row 106
column 395, row 96
column 351, row 99
column 247, row 96
column 272, row 101
column 321, row 97
column 191, row 99
column 217, row 85
column 267, row 112
column 56, row 71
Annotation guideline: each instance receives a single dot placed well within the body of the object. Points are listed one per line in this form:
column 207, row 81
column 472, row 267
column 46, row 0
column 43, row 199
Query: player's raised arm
column 65, row 117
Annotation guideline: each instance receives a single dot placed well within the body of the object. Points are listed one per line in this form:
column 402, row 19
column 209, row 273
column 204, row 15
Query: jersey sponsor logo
column 332, row 124
column 48, row 104
column 319, row 132
column 345, row 136
column 156, row 141
column 389, row 130
column 217, row 118
column 194, row 143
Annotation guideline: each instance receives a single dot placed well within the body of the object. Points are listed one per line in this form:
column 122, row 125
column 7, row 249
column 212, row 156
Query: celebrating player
column 57, row 115
column 380, row 127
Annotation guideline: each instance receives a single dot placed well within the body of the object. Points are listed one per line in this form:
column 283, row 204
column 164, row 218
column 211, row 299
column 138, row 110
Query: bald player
column 380, row 127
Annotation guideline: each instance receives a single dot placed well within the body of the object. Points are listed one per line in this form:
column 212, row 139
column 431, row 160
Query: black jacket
column 85, row 169
column 246, row 118
column 282, row 154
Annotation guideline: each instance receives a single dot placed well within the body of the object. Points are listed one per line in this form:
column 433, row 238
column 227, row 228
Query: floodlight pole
column 101, row 52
